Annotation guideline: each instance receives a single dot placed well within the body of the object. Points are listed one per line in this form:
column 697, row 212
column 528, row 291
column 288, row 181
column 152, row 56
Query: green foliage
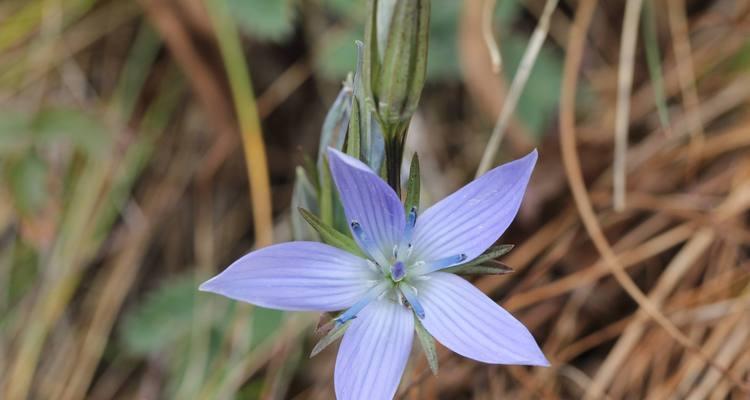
column 27, row 179
column 264, row 19
column 163, row 322
column 163, row 319
column 338, row 53
column 413, row 185
column 330, row 235
column 427, row 343
column 70, row 125
column 25, row 138
column 538, row 102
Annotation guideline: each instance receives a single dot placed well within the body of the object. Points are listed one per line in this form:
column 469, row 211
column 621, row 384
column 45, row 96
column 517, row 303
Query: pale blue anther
column 398, row 271
column 368, row 245
column 411, row 297
column 352, row 312
column 436, row 265
column 405, row 245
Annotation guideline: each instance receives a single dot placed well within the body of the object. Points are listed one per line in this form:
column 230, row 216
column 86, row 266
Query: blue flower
column 400, row 280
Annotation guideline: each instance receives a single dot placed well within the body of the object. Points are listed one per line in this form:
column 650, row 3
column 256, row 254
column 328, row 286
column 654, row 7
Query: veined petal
column 468, row 322
column 374, row 352
column 470, row 220
column 295, row 276
column 369, row 201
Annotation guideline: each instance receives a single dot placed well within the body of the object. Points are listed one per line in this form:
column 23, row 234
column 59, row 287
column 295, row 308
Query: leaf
column 71, row 125
column 28, row 182
column 337, row 53
column 353, row 138
column 264, row 19
column 303, row 196
column 489, row 255
column 14, row 132
column 333, row 132
column 491, row 267
column 427, row 343
column 413, row 185
column 163, row 319
column 330, row 337
column 653, row 59
column 265, row 323
column 330, row 235
column 538, row 103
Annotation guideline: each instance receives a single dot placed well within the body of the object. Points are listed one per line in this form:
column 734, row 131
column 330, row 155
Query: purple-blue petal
column 368, row 200
column 374, row 352
column 295, row 276
column 468, row 322
column 470, row 220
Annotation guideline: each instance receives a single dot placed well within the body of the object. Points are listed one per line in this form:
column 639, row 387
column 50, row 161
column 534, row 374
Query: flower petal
column 468, row 322
column 374, row 352
column 368, row 200
column 295, row 276
column 470, row 220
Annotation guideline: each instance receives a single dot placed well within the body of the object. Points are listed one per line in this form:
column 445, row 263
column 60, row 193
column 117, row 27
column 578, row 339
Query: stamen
column 436, row 265
column 352, row 312
column 411, row 296
column 404, row 248
column 368, row 245
column 398, row 271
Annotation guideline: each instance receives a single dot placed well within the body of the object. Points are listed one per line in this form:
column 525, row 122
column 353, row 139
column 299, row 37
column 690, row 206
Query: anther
column 411, row 297
column 436, row 265
column 367, row 244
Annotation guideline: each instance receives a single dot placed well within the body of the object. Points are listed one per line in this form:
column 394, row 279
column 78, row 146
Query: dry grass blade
column 516, row 87
column 624, row 88
column 572, row 165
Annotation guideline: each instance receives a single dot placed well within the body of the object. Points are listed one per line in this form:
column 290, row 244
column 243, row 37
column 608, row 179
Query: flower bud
column 396, row 39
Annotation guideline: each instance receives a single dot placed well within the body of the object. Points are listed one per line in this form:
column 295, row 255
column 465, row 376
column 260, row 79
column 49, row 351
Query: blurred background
column 124, row 184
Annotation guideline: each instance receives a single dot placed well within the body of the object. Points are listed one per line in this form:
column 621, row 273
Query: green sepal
column 490, row 267
column 413, row 185
column 330, row 235
column 427, row 343
column 325, row 201
column 491, row 254
column 330, row 337
column 353, row 138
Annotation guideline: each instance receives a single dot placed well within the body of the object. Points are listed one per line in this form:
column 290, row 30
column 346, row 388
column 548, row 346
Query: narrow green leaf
column 653, row 59
column 428, row 345
column 491, row 267
column 413, row 185
column 326, row 192
column 330, row 235
column 263, row 19
column 303, row 196
column 491, row 254
column 329, row 338
column 27, row 179
column 353, row 139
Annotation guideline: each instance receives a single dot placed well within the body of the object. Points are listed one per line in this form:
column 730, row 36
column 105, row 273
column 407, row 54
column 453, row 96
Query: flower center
column 398, row 271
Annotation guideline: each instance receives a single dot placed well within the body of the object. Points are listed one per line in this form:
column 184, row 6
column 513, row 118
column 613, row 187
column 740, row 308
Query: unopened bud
column 395, row 60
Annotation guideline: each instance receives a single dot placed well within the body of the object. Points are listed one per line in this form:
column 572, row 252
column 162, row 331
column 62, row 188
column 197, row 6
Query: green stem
column 247, row 113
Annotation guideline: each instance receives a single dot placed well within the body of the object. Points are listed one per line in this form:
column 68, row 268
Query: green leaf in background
column 71, row 125
column 538, row 103
column 338, row 53
column 265, row 323
column 264, row 19
column 28, row 181
column 14, row 132
column 304, row 196
column 163, row 319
